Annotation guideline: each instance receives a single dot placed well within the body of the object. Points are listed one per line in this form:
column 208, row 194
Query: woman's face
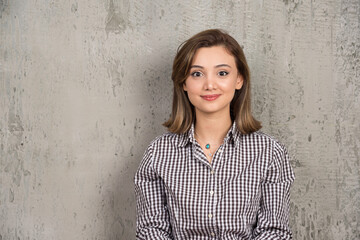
column 212, row 81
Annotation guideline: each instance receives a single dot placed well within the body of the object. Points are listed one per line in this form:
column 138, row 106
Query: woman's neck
column 212, row 129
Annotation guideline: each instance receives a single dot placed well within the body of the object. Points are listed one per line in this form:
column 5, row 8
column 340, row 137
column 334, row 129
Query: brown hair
column 183, row 113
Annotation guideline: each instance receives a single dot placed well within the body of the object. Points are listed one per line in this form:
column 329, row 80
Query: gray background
column 85, row 86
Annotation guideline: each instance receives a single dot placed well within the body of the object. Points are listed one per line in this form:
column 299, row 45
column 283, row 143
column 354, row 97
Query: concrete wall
column 85, row 84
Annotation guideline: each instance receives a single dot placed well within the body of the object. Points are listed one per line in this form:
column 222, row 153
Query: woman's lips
column 211, row 97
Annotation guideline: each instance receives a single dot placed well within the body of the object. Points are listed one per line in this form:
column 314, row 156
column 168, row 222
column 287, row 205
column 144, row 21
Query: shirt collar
column 232, row 135
column 187, row 137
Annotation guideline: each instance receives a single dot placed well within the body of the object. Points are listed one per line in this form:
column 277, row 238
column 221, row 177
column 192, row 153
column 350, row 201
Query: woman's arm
column 152, row 217
column 273, row 215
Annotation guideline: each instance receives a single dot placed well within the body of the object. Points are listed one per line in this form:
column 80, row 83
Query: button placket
column 213, row 193
column 212, row 199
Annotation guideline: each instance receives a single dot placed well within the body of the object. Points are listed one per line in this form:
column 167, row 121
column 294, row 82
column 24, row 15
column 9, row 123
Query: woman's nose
column 210, row 83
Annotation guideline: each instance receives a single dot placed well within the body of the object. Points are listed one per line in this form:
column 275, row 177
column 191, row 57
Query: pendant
column 207, row 146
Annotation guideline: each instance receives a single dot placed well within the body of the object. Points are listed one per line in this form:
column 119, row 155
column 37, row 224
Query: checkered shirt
column 242, row 194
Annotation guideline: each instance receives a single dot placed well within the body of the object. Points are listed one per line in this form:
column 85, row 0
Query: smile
column 210, row 97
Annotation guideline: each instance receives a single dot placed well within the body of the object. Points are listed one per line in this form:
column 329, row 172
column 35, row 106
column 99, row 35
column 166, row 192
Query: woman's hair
column 183, row 112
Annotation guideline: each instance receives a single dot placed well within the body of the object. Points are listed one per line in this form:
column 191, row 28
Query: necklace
column 207, row 145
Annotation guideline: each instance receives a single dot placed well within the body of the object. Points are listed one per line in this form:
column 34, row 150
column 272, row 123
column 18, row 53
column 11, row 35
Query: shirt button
column 212, row 172
column 212, row 234
column 210, row 215
column 211, row 192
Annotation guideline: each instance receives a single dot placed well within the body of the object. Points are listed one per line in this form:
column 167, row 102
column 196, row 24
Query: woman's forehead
column 215, row 55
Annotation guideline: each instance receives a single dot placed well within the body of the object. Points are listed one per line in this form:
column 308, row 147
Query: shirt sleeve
column 152, row 217
column 273, row 215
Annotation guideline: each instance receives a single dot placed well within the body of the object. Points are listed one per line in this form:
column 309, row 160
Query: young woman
column 214, row 175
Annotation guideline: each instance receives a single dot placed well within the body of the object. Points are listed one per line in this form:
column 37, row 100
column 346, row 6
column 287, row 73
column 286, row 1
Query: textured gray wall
column 84, row 86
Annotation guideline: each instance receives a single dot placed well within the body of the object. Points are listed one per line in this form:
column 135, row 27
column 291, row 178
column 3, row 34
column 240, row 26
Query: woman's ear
column 184, row 87
column 239, row 82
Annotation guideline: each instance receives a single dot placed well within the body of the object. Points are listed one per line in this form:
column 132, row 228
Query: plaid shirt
column 242, row 194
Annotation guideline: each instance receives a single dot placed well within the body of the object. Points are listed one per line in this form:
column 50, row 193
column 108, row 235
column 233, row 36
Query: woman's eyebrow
column 223, row 65
column 217, row 66
column 196, row 66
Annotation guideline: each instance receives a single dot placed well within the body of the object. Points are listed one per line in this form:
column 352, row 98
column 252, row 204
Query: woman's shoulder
column 262, row 138
column 167, row 139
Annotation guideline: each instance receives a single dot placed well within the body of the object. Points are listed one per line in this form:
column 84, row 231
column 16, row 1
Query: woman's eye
column 196, row 74
column 223, row 73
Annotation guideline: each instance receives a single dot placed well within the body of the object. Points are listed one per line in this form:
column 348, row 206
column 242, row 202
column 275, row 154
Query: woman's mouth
column 211, row 97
